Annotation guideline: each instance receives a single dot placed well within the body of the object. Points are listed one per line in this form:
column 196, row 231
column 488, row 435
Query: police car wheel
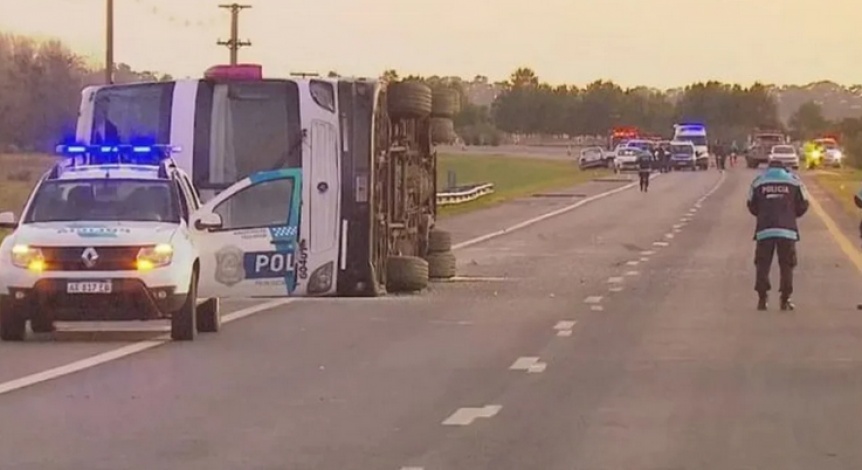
column 209, row 316
column 13, row 324
column 41, row 323
column 184, row 320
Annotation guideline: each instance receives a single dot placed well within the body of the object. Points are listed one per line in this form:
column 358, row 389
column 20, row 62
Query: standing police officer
column 777, row 198
column 645, row 164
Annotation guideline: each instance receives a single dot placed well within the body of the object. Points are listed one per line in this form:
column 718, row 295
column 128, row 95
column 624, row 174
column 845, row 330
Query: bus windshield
column 239, row 128
column 127, row 112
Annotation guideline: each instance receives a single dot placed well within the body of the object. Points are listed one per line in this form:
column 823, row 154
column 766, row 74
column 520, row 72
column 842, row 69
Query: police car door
column 247, row 237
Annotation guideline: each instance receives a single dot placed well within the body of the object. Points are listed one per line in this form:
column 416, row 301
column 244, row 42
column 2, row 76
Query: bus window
column 254, row 126
column 128, row 112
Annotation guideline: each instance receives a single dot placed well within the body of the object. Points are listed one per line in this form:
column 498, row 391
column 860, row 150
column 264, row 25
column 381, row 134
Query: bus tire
column 445, row 103
column 441, row 265
column 406, row 274
column 442, row 130
column 439, row 241
column 409, row 100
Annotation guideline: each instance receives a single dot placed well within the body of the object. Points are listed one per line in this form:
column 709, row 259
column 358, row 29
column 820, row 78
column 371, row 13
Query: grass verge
column 18, row 174
column 512, row 177
column 841, row 184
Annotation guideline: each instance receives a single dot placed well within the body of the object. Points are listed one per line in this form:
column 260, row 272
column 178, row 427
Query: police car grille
column 110, row 258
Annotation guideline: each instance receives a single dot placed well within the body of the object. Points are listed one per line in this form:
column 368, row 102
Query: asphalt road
column 619, row 334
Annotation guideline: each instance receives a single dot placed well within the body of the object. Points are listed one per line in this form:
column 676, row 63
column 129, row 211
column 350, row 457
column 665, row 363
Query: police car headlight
column 154, row 257
column 321, row 279
column 27, row 257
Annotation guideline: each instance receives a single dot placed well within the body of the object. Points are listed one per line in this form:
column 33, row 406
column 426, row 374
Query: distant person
column 661, row 159
column 777, row 198
column 645, row 164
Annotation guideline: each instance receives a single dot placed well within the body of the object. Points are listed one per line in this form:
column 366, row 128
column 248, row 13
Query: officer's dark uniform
column 777, row 198
column 661, row 159
column 644, row 169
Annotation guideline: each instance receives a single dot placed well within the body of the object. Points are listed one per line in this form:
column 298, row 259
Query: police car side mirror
column 7, row 220
column 209, row 221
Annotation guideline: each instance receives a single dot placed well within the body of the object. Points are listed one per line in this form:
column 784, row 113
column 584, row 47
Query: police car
column 119, row 233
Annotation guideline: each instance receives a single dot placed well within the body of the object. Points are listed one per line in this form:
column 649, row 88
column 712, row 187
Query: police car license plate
column 89, row 287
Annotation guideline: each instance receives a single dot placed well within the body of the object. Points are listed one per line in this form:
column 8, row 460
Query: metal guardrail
column 464, row 194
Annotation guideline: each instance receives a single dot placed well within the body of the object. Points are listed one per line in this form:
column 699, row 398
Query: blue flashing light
column 118, row 154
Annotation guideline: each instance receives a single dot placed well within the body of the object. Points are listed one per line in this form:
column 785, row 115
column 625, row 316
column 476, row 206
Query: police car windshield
column 699, row 140
column 105, row 200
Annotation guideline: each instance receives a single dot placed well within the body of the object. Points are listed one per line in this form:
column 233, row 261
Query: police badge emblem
column 229, row 266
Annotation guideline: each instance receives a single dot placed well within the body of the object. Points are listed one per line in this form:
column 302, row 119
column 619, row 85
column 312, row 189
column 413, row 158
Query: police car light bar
column 77, row 150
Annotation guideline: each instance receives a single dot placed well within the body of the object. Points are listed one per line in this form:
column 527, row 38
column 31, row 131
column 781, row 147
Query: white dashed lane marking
column 615, row 280
column 529, row 364
column 648, row 252
column 632, row 273
column 633, row 263
column 565, row 325
column 466, row 416
column 593, row 299
column 661, row 243
column 597, row 308
column 644, row 259
column 564, row 333
column 678, row 225
column 668, row 235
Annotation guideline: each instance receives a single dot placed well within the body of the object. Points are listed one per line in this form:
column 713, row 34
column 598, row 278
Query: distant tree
column 808, row 121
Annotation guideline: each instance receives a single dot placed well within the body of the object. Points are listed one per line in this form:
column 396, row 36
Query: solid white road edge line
column 543, row 217
column 121, row 352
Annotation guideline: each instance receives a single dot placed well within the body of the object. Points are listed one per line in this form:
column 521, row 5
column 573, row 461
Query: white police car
column 119, row 233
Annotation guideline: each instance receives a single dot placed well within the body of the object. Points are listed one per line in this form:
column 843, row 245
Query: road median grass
column 841, row 184
column 513, row 177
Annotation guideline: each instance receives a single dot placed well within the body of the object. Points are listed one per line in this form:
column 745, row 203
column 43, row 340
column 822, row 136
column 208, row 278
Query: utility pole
column 234, row 43
column 109, row 42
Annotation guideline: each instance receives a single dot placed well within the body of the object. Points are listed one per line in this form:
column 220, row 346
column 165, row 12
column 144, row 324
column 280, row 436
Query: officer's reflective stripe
column 777, row 233
column 770, row 180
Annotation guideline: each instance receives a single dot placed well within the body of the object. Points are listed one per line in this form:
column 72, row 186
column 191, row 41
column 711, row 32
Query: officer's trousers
column 786, row 249
column 643, row 176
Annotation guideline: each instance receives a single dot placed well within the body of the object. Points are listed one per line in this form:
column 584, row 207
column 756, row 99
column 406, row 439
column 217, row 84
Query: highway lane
column 79, row 342
column 633, row 316
column 680, row 371
column 343, row 383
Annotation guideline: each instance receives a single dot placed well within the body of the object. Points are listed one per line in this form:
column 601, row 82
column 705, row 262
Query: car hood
column 94, row 233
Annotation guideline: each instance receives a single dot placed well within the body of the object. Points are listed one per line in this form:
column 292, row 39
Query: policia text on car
column 777, row 198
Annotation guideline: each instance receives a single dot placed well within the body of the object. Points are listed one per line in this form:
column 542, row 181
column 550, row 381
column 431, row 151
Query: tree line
column 40, row 84
column 730, row 111
column 40, row 91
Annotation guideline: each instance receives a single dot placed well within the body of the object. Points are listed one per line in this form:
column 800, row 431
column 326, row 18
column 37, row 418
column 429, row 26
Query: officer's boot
column 786, row 304
column 761, row 301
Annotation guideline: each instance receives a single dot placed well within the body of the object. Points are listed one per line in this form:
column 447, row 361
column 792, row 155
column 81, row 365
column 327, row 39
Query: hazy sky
column 659, row 43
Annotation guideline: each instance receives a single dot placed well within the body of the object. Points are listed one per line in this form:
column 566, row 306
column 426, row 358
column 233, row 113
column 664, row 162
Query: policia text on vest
column 777, row 198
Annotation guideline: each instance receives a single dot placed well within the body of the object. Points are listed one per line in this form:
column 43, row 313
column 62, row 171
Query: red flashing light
column 235, row 72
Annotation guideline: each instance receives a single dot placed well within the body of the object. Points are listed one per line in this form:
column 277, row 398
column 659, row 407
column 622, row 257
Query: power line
column 234, row 44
